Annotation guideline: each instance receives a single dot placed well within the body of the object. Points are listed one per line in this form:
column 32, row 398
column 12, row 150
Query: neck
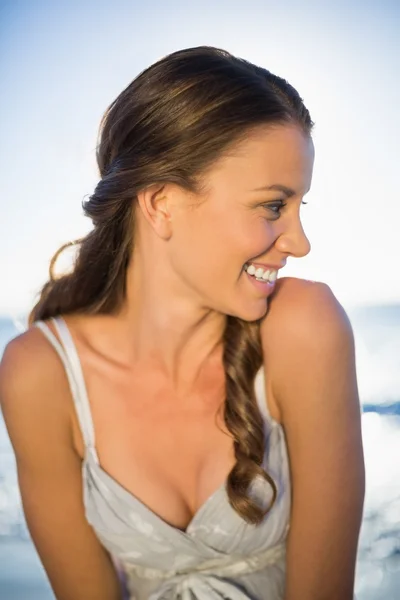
column 167, row 329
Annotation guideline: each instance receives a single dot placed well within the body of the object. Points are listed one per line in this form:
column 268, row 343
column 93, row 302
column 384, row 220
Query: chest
column 170, row 452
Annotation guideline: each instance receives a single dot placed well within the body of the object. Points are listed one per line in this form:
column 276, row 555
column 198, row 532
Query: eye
column 276, row 207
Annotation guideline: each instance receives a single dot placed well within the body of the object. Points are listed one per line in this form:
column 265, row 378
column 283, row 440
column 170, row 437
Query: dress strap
column 261, row 396
column 68, row 353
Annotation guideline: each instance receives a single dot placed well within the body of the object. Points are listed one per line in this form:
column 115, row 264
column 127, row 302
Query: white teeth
column 273, row 276
column 260, row 274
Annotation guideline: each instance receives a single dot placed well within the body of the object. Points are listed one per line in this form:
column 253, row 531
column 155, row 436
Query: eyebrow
column 277, row 187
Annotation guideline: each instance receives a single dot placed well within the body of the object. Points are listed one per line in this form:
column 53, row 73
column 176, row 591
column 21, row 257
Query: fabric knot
column 199, row 586
column 212, row 581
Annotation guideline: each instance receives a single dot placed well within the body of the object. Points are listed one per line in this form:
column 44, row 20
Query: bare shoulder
column 28, row 359
column 33, row 388
column 307, row 338
column 295, row 297
column 303, row 332
column 303, row 314
column 30, row 346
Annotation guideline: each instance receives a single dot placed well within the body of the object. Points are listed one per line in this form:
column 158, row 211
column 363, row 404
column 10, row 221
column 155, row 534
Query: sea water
column 377, row 336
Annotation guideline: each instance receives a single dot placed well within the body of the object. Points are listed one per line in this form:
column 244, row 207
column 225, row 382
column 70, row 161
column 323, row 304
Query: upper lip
column 264, row 266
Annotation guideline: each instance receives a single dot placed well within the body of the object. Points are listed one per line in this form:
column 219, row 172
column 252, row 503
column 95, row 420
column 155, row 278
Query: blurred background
column 62, row 63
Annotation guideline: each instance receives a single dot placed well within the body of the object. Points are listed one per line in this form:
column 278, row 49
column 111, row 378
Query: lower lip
column 265, row 287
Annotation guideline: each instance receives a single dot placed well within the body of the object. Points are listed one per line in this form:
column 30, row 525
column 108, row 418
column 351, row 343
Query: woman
column 184, row 425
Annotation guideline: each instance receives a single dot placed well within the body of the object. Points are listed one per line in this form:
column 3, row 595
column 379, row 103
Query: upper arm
column 309, row 347
column 35, row 402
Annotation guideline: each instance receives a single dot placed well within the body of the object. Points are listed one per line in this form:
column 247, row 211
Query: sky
column 62, row 63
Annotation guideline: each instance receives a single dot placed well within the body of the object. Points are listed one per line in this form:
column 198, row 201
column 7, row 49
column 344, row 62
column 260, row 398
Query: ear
column 155, row 202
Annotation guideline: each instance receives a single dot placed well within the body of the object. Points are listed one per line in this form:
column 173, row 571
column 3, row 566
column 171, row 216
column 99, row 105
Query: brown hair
column 170, row 124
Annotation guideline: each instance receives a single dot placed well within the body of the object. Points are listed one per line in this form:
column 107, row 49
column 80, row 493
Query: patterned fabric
column 219, row 556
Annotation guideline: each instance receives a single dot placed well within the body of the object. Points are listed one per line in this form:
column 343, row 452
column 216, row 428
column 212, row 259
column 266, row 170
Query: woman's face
column 214, row 237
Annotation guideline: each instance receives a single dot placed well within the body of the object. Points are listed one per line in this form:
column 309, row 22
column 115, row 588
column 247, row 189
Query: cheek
column 233, row 241
column 211, row 256
column 196, row 252
column 214, row 248
column 254, row 237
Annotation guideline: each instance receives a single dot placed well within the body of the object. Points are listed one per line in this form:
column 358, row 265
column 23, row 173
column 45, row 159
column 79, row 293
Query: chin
column 254, row 313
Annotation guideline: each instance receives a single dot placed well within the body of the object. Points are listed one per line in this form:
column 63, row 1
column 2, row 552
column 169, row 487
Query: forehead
column 282, row 154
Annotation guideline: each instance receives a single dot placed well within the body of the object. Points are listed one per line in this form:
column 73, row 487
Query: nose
column 293, row 241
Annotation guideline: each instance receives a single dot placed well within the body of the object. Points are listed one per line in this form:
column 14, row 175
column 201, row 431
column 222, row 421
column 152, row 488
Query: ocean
column 377, row 336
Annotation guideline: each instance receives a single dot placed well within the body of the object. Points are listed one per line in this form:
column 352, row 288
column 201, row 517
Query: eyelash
column 279, row 206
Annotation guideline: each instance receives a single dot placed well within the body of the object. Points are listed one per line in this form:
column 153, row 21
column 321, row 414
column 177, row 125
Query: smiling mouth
column 262, row 275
